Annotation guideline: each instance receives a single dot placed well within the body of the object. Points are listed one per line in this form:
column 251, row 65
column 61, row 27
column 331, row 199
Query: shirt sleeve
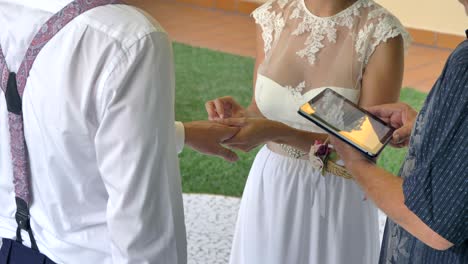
column 137, row 158
column 180, row 136
column 437, row 191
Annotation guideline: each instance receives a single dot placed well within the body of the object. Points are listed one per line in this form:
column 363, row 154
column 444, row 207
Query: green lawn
column 203, row 75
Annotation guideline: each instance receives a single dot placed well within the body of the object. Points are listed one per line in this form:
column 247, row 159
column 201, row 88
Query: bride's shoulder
column 382, row 22
column 376, row 27
column 375, row 12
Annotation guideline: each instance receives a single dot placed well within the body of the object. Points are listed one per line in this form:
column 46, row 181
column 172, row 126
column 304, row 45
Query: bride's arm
column 257, row 129
column 383, row 75
column 252, row 109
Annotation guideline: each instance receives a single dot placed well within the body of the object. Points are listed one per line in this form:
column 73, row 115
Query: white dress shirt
column 99, row 125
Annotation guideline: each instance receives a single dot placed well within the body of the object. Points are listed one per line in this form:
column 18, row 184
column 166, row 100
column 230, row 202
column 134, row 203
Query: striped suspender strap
column 13, row 85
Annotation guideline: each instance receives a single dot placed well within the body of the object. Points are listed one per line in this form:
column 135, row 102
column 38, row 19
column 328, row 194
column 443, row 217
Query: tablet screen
column 334, row 112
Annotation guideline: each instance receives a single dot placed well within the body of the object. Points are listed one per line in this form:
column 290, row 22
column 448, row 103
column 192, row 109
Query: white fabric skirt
column 291, row 214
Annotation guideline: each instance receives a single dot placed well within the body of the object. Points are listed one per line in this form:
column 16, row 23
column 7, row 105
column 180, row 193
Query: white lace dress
column 289, row 213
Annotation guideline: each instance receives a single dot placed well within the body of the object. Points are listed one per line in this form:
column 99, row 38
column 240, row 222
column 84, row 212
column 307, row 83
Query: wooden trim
column 449, row 41
column 435, row 39
column 202, row 3
column 247, row 7
column 424, row 37
column 228, row 5
column 420, row 36
column 257, row 2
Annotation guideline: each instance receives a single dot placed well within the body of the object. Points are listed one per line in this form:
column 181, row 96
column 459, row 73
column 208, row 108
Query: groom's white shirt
column 99, row 125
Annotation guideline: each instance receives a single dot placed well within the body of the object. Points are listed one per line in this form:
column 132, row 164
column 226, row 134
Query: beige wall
column 445, row 16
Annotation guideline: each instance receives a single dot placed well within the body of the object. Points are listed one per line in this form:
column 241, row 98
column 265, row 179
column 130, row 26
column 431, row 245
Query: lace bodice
column 304, row 52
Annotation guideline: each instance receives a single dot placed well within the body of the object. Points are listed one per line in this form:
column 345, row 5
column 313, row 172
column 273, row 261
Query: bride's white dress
column 290, row 213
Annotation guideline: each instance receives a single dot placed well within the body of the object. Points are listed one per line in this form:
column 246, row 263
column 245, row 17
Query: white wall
column 446, row 16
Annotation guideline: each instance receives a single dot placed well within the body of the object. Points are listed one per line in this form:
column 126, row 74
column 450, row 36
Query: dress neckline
column 306, row 9
column 304, row 95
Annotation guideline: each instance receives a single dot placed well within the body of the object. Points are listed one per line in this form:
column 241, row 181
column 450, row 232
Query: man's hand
column 206, row 137
column 253, row 132
column 224, row 107
column 400, row 116
column 348, row 154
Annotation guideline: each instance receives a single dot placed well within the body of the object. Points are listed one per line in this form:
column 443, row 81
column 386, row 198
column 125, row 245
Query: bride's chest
column 281, row 103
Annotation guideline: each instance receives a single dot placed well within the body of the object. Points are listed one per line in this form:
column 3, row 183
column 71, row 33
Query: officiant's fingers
column 401, row 135
column 400, row 144
column 383, row 111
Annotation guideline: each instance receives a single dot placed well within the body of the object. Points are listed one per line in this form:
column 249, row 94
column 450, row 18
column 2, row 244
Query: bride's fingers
column 227, row 112
column 211, row 110
column 219, row 105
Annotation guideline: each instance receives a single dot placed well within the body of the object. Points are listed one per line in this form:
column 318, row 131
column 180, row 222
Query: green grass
column 203, row 75
column 391, row 158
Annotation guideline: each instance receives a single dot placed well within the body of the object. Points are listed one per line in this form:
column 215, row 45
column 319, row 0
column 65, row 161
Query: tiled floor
column 235, row 33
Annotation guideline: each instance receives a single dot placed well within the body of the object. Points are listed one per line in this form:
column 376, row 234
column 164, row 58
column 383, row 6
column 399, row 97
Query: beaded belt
column 330, row 165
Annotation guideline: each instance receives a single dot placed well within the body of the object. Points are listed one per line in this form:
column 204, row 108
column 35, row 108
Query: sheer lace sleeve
column 270, row 19
column 380, row 26
column 306, row 53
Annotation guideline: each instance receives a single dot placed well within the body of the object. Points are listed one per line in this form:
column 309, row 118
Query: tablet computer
column 347, row 121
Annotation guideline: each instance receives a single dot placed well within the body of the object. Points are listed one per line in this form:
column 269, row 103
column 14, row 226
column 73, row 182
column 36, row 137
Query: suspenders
column 13, row 85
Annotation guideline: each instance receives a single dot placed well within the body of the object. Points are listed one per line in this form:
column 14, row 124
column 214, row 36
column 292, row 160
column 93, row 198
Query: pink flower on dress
column 319, row 155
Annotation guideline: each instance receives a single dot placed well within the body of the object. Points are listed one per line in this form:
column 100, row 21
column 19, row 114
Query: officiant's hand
column 224, row 107
column 206, row 137
column 400, row 116
column 348, row 154
column 253, row 132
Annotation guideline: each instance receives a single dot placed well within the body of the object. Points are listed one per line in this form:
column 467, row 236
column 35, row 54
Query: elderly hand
column 224, row 107
column 400, row 116
column 348, row 154
column 207, row 137
column 253, row 132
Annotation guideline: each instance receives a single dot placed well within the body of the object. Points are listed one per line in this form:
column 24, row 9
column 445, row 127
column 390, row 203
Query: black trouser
column 13, row 252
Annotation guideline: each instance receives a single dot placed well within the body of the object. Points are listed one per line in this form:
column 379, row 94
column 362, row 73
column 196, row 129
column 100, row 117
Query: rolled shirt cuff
column 180, row 136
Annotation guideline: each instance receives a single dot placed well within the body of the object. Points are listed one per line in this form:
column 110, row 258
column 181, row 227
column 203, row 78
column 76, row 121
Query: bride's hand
column 224, row 107
column 253, row 132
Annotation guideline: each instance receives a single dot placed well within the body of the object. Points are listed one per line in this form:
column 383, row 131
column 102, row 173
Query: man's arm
column 430, row 203
column 136, row 155
column 386, row 190
column 206, row 137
